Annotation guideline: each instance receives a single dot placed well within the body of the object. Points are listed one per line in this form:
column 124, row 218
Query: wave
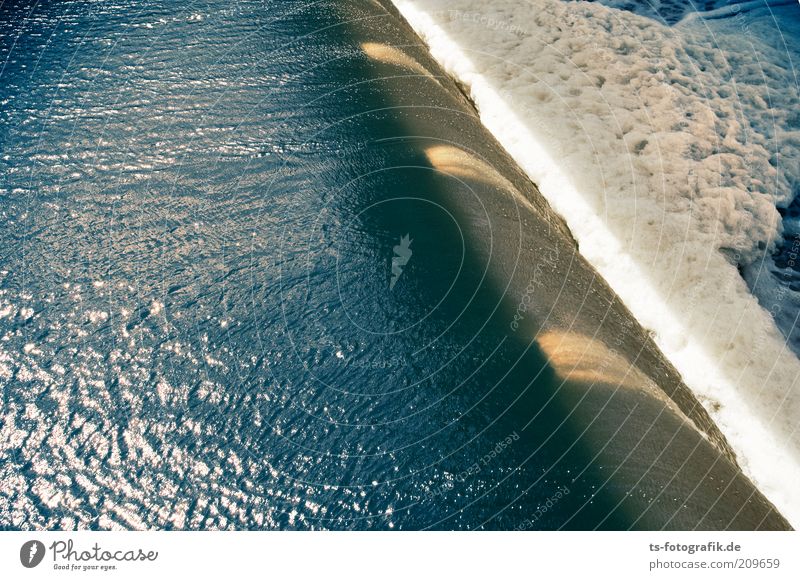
column 668, row 151
column 674, row 11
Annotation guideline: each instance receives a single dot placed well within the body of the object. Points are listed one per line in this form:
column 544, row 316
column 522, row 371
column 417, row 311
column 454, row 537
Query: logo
column 31, row 553
column 402, row 255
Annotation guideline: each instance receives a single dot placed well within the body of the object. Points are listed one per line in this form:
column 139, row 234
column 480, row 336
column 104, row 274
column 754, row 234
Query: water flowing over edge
column 671, row 253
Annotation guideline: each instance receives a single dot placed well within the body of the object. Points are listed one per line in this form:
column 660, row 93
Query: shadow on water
column 576, row 414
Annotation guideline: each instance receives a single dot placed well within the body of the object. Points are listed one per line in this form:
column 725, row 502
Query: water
column 759, row 41
column 210, row 318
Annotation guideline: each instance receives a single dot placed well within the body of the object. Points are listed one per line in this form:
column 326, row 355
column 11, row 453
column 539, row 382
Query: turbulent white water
column 667, row 138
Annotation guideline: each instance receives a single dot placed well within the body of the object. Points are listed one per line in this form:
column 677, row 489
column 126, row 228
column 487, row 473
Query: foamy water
column 667, row 139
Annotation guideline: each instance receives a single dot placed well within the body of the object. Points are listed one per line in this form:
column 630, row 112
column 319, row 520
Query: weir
column 661, row 460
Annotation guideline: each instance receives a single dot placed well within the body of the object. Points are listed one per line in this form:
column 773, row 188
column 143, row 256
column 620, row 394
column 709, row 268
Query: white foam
column 657, row 145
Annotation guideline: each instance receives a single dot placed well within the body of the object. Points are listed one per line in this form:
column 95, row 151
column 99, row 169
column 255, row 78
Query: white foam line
column 760, row 452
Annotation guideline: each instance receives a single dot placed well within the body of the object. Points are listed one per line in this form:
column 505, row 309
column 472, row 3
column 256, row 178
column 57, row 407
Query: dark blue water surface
column 201, row 323
column 197, row 324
